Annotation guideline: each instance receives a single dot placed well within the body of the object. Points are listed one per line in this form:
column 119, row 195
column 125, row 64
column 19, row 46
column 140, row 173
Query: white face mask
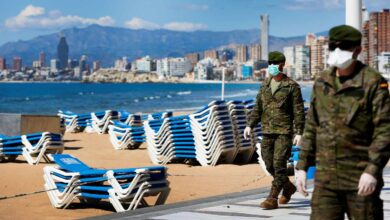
column 341, row 59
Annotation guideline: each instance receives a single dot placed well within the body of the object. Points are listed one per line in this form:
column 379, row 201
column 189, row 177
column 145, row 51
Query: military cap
column 276, row 56
column 345, row 33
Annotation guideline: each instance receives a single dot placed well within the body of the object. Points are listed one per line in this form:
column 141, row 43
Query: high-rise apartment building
column 96, row 65
column 302, row 62
column 62, row 53
column 3, row 64
column 211, row 54
column 145, row 64
column 17, row 64
column 241, row 53
column 176, row 67
column 255, row 52
column 42, row 59
column 376, row 36
column 289, row 67
column 193, row 58
column 54, row 65
column 83, row 63
column 318, row 49
column 310, row 37
column 297, row 61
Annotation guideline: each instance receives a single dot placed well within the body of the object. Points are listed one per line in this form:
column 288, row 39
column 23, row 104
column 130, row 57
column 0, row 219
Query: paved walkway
column 236, row 206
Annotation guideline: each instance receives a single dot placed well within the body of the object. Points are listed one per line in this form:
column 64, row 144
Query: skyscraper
column 264, row 36
column 3, row 64
column 255, row 52
column 353, row 13
column 242, row 53
column 42, row 59
column 17, row 64
column 62, row 53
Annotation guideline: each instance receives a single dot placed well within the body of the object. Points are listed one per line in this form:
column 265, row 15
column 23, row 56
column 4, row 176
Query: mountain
column 110, row 43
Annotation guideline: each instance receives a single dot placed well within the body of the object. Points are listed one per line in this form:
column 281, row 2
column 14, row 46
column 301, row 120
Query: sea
column 48, row 98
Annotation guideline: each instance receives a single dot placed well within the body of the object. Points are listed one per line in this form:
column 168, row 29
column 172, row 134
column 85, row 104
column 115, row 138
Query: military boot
column 288, row 190
column 272, row 200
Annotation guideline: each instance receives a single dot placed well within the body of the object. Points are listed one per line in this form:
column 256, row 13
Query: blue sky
column 25, row 19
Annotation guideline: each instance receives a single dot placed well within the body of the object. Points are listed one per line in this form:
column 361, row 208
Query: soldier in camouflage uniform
column 279, row 108
column 347, row 134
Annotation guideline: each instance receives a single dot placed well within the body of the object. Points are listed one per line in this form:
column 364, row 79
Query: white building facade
column 302, row 62
column 289, row 67
column 384, row 64
column 145, row 64
column 173, row 67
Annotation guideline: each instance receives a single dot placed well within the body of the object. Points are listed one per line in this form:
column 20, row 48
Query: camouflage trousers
column 333, row 204
column 275, row 151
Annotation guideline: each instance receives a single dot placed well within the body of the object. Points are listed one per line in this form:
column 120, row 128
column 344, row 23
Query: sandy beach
column 186, row 182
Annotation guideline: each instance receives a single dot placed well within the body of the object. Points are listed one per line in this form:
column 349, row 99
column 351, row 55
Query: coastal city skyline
column 306, row 56
column 27, row 19
column 195, row 109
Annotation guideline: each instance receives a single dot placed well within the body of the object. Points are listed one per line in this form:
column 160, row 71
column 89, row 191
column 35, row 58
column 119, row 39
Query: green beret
column 276, row 56
column 345, row 33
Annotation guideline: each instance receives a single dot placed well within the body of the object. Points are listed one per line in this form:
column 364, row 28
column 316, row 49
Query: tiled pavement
column 237, row 206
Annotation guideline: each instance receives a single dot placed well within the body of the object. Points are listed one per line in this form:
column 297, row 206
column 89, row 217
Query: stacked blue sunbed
column 128, row 131
column 238, row 114
column 170, row 139
column 213, row 133
column 101, row 120
column 33, row 147
column 10, row 148
column 75, row 122
column 124, row 188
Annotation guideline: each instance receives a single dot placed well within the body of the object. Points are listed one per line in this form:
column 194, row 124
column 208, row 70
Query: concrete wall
column 17, row 124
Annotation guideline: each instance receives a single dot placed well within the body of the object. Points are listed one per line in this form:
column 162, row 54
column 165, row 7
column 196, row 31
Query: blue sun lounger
column 213, row 132
column 10, row 148
column 124, row 188
column 33, row 147
column 74, row 122
column 123, row 136
column 170, row 139
column 238, row 114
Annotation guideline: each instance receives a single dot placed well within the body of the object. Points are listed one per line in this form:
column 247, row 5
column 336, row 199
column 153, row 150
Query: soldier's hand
column 297, row 140
column 367, row 184
column 247, row 133
column 301, row 182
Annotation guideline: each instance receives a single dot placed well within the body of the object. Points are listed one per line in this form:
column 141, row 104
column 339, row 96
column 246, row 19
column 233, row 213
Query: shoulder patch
column 383, row 85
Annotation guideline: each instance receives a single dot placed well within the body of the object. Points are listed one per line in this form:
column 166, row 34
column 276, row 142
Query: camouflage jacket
column 347, row 131
column 278, row 113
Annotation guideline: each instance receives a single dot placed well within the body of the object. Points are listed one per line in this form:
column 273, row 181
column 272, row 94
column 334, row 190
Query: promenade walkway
column 236, row 206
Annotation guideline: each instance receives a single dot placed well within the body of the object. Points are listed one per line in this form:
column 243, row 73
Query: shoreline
column 185, row 82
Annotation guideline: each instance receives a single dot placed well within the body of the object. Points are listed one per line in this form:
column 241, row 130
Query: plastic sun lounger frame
column 139, row 187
